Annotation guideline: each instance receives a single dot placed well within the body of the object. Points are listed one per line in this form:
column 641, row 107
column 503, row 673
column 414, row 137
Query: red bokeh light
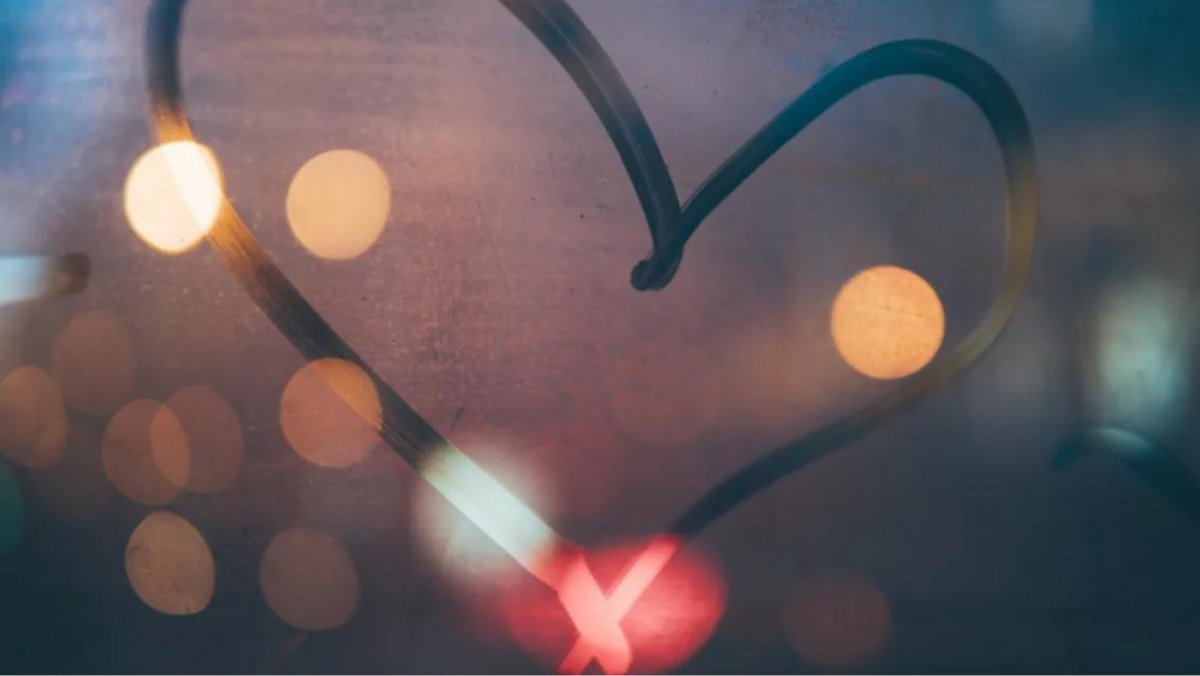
column 671, row 612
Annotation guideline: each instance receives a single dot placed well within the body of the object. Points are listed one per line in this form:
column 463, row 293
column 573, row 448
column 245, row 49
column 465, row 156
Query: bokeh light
column 12, row 511
column 170, row 565
column 214, row 437
column 1137, row 373
column 94, row 363
column 330, row 413
column 887, row 322
column 33, row 420
column 671, row 619
column 75, row 488
column 173, row 196
column 837, row 620
column 309, row 580
column 338, row 204
column 1047, row 26
column 146, row 454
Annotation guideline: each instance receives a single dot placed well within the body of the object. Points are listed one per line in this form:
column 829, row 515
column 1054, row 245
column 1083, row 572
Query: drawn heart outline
column 671, row 223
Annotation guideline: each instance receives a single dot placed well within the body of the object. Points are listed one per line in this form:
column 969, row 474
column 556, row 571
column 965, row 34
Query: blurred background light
column 146, row 454
column 325, row 411
column 94, row 363
column 887, row 322
column 309, row 580
column 671, row 619
column 214, row 437
column 169, row 565
column 338, row 204
column 838, row 620
column 173, row 196
column 1047, row 25
column 1137, row 376
column 33, row 421
column 29, row 277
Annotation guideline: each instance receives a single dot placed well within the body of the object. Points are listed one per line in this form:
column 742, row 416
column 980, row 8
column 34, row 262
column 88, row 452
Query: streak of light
column 496, row 511
column 598, row 617
column 644, row 608
column 458, row 546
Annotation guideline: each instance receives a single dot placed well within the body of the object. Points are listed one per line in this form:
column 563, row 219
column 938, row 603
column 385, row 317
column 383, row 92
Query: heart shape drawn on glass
column 597, row 613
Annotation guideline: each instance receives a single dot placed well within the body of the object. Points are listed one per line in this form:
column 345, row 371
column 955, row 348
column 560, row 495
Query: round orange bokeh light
column 330, row 413
column 887, row 323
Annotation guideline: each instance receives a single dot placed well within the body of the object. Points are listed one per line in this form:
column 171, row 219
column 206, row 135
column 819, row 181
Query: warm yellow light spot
column 146, row 454
column 338, row 204
column 214, row 437
column 173, row 195
column 33, row 421
column 309, row 580
column 887, row 322
column 330, row 413
column 93, row 361
column 170, row 565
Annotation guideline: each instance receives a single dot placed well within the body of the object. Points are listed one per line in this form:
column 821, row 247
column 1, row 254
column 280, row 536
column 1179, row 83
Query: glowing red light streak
column 598, row 617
